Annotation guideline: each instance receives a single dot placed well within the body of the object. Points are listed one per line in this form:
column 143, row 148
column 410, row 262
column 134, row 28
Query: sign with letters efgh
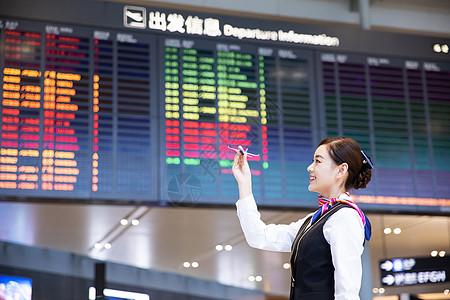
column 410, row 271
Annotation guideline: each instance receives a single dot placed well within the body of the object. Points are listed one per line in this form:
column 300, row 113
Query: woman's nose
column 309, row 168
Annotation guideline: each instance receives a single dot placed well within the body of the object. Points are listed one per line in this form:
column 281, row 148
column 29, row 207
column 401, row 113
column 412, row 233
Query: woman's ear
column 342, row 170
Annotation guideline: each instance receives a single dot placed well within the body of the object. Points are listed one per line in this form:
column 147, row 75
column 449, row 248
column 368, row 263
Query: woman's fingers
column 241, row 169
column 236, row 160
column 242, row 159
column 239, row 162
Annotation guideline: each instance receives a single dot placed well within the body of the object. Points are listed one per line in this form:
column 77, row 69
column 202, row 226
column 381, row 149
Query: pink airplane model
column 242, row 151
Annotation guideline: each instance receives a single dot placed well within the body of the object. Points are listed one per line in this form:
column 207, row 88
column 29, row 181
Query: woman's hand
column 241, row 172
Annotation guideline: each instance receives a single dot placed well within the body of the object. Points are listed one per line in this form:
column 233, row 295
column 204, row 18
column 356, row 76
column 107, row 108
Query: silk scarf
column 325, row 204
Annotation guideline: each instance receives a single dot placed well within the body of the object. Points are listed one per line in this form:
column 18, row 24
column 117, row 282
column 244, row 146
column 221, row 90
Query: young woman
column 326, row 246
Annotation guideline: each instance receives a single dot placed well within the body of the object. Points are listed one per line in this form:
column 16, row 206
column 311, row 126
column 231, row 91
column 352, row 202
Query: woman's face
column 322, row 172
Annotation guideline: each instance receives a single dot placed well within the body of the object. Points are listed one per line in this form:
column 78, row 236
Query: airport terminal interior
column 118, row 124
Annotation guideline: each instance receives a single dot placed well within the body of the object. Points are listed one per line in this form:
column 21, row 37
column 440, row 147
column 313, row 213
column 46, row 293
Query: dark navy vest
column 312, row 268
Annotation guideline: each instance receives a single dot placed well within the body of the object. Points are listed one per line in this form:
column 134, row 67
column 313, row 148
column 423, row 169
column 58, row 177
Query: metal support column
column 366, row 282
column 364, row 14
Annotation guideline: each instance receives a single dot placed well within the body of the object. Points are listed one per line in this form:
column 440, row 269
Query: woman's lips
column 311, row 179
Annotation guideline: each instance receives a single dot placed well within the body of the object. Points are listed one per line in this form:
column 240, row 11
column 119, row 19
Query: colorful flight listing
column 75, row 113
column 44, row 126
column 219, row 95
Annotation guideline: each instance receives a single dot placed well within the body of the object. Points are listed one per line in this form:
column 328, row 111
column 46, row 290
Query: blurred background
column 116, row 116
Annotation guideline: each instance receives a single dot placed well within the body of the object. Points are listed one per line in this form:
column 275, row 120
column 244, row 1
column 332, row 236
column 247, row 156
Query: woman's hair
column 346, row 150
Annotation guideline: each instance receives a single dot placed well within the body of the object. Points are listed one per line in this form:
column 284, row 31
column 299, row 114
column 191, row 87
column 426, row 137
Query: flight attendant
column 326, row 246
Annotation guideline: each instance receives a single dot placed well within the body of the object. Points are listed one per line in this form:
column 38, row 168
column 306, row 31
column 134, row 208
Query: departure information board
column 92, row 113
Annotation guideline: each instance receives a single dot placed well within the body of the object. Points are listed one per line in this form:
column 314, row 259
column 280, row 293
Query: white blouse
column 343, row 230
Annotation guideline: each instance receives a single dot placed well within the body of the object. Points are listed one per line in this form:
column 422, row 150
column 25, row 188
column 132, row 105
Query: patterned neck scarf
column 325, row 204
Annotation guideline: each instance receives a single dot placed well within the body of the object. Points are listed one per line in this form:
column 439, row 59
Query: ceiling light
column 186, row 264
column 135, row 222
column 287, row 266
column 387, row 231
column 98, row 246
column 195, row 264
column 437, row 48
column 375, row 290
column 397, row 231
column 446, row 292
column 123, row 222
column 228, row 247
column 219, row 247
column 444, row 48
column 434, row 253
column 258, row 278
column 442, row 253
column 107, row 246
column 381, row 290
column 251, row 278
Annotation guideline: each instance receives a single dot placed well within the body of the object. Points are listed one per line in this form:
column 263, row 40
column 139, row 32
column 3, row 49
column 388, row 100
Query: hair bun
column 363, row 178
column 346, row 150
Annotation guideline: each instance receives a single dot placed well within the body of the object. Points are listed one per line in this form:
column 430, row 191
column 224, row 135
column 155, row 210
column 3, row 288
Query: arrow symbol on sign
column 387, row 265
column 389, row 280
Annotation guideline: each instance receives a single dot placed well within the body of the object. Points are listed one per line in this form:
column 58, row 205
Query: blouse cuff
column 246, row 203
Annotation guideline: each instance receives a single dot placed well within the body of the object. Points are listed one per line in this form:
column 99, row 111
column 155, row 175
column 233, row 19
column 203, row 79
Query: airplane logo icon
column 134, row 16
